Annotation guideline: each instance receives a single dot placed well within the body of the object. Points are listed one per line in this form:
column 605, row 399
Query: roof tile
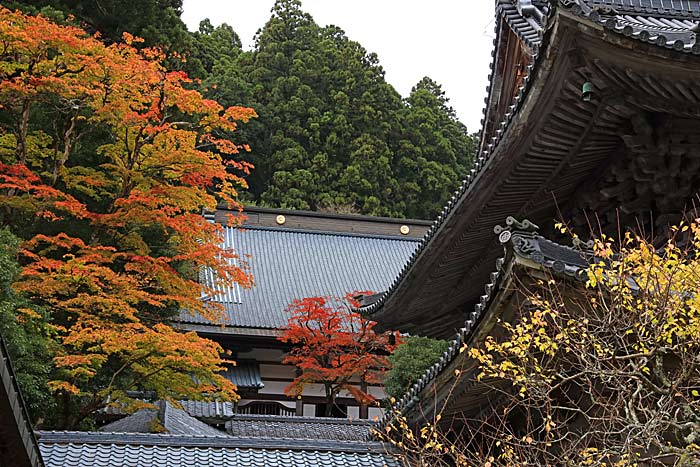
column 288, row 265
column 75, row 449
column 264, row 426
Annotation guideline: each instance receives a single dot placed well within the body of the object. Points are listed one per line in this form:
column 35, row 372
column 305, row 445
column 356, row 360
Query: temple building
column 592, row 119
column 591, row 116
column 294, row 255
column 291, row 255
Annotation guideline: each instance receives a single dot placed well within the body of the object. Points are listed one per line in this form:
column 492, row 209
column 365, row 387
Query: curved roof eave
column 578, row 10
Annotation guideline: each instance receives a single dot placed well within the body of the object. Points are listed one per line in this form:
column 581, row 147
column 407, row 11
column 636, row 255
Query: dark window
column 338, row 411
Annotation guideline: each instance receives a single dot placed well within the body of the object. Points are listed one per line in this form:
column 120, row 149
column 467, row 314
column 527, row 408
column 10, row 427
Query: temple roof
column 310, row 254
column 18, row 446
column 249, row 440
column 87, row 449
column 269, row 426
column 245, row 375
column 667, row 23
column 522, row 248
column 209, row 411
column 549, row 151
column 163, row 418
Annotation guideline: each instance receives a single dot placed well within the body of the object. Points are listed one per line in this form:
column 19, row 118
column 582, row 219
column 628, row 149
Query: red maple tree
column 335, row 347
column 107, row 160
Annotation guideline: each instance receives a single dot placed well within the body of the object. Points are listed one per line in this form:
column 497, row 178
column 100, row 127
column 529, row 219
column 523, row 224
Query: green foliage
column 24, row 332
column 332, row 134
column 213, row 47
column 435, row 150
column 410, row 360
column 156, row 21
column 106, row 161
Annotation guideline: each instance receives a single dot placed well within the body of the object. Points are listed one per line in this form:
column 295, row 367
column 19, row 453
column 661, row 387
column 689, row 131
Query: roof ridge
column 329, row 233
column 200, row 441
column 674, row 9
column 163, row 409
column 331, row 215
column 303, row 419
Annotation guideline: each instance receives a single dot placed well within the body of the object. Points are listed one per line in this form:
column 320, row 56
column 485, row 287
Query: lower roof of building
column 522, row 246
column 311, row 428
column 86, row 449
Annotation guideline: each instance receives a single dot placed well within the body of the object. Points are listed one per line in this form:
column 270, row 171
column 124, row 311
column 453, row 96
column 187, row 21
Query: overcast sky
column 448, row 40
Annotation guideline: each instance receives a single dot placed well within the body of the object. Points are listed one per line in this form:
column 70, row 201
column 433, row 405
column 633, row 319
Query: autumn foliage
column 335, row 347
column 106, row 163
column 603, row 372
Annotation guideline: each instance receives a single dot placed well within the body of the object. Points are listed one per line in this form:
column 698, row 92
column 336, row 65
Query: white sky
column 448, row 40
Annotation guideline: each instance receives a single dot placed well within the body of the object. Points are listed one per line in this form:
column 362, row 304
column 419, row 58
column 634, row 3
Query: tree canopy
column 25, row 330
column 335, row 347
column 409, row 362
column 106, row 162
column 156, row 21
column 332, row 133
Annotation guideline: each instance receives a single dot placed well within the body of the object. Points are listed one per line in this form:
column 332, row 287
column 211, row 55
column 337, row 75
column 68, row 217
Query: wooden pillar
column 364, row 408
column 300, row 407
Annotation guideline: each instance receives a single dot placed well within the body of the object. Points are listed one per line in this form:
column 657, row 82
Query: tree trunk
column 330, row 401
column 22, row 131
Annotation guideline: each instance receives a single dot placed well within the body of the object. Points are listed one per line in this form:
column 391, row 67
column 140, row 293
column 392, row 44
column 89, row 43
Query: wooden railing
column 265, row 408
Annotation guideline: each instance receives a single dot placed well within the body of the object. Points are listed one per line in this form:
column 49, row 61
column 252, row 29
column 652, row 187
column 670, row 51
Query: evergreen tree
column 332, row 133
column 410, row 361
column 25, row 330
column 434, row 153
column 157, row 22
column 213, row 46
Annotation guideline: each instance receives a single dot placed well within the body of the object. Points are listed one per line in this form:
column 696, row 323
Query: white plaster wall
column 273, row 355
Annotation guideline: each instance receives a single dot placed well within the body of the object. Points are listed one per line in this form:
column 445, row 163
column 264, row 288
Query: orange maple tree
column 336, row 347
column 106, row 163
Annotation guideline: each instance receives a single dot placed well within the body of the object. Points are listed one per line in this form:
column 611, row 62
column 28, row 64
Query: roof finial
column 512, row 224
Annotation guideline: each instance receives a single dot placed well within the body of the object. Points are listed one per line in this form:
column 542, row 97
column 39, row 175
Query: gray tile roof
column 671, row 8
column 209, row 410
column 528, row 27
column 168, row 417
column 665, row 23
column 79, row 449
column 266, row 426
column 206, row 410
column 288, row 265
column 245, row 375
